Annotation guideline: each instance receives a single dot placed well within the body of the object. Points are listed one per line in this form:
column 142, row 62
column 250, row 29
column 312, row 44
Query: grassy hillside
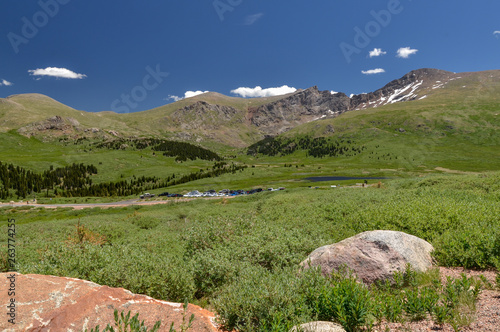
column 21, row 110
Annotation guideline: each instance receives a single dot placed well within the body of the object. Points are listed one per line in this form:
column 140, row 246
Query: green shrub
column 135, row 269
column 343, row 300
column 123, row 322
column 259, row 300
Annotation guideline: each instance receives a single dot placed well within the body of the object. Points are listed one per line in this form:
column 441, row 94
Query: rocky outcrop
column 53, row 123
column 204, row 116
column 60, row 127
column 48, row 303
column 374, row 255
column 301, row 107
column 318, row 327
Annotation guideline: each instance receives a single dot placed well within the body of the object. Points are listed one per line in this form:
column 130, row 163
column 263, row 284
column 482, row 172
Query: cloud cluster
column 187, row 94
column 259, row 92
column 373, row 71
column 4, row 82
column 251, row 19
column 405, row 52
column 377, row 52
column 496, row 33
column 56, row 72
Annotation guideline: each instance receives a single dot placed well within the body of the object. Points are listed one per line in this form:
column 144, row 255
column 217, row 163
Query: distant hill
column 466, row 99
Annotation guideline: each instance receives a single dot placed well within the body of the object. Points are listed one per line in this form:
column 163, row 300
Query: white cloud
column 190, row 94
column 405, row 52
column 377, row 52
column 373, row 71
column 56, row 72
column 174, row 98
column 259, row 92
column 187, row 94
column 496, row 33
column 251, row 19
column 333, row 92
column 4, row 82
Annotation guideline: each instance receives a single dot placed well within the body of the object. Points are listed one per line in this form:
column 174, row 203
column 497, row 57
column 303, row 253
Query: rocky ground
column 487, row 316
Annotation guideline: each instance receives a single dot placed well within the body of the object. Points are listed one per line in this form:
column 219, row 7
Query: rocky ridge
column 311, row 104
column 302, row 106
column 407, row 88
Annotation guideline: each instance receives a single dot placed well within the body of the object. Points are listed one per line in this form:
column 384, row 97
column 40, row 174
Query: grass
column 384, row 157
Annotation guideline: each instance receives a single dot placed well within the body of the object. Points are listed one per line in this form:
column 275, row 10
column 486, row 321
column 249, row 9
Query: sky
column 131, row 55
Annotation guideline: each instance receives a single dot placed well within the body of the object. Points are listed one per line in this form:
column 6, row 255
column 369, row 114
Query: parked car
column 147, row 195
column 163, row 194
column 175, row 195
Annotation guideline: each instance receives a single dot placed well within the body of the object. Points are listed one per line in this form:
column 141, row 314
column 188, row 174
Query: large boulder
column 373, row 255
column 318, row 326
column 48, row 303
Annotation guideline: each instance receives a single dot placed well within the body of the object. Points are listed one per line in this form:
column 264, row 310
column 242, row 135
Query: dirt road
column 79, row 206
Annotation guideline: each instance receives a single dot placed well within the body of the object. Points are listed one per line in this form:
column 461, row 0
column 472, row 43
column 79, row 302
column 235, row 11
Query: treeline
column 75, row 181
column 23, row 182
column 141, row 184
column 317, row 147
column 182, row 151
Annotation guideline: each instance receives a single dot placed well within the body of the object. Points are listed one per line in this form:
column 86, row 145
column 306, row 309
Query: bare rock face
column 374, row 255
column 318, row 327
column 56, row 304
column 301, row 107
column 202, row 115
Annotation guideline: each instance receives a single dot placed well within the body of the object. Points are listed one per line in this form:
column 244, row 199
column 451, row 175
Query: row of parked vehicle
column 212, row 193
column 148, row 195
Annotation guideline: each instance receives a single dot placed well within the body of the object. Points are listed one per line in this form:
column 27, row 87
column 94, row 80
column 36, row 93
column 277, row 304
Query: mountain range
column 239, row 122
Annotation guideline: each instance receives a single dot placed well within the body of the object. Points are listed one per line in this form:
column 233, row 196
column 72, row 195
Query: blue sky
column 115, row 55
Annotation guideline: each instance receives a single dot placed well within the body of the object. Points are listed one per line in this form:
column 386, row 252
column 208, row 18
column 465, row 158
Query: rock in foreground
column 374, row 255
column 319, row 327
column 48, row 303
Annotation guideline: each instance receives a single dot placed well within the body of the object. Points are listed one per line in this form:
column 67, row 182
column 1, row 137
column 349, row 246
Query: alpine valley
column 429, row 120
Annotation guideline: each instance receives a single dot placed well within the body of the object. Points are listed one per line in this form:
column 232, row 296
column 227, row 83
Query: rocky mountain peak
column 405, row 88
